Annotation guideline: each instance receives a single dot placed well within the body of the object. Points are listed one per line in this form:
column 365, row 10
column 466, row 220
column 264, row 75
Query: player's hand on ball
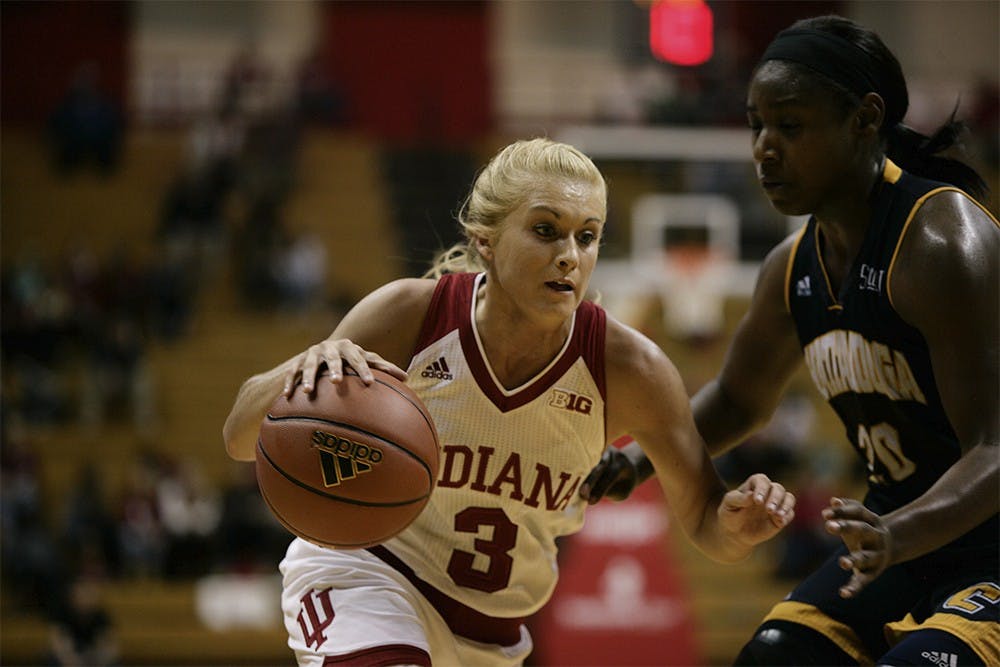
column 868, row 542
column 757, row 510
column 335, row 354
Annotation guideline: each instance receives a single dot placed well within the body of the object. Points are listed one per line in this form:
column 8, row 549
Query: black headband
column 826, row 53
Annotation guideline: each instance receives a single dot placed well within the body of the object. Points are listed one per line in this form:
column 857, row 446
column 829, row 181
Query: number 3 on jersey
column 881, row 443
column 497, row 574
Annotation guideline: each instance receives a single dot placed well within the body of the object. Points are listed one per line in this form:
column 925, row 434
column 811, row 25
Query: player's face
column 545, row 251
column 803, row 148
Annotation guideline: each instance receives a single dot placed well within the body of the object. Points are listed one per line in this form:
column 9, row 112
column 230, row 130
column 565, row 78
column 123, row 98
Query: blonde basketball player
column 527, row 382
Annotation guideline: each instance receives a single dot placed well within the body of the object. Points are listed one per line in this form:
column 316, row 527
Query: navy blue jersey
column 872, row 367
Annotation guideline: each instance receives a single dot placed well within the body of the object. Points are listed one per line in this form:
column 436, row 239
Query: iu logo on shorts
column 312, row 625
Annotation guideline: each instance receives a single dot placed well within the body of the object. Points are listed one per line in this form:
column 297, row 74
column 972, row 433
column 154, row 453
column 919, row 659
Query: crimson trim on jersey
column 586, row 341
column 462, row 619
column 381, row 656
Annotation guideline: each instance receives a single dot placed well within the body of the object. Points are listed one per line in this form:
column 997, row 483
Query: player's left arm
column 646, row 399
column 945, row 283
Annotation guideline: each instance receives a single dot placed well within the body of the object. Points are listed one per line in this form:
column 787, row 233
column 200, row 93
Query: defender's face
column 546, row 249
column 803, row 148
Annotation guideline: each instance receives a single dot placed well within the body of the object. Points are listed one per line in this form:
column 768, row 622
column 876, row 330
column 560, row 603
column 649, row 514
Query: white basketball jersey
column 512, row 461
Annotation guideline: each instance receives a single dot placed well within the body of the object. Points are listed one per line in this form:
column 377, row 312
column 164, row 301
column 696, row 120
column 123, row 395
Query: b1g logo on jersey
column 570, row 401
column 312, row 622
column 342, row 459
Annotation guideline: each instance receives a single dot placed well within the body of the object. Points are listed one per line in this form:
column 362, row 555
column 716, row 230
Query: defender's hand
column 615, row 477
column 868, row 541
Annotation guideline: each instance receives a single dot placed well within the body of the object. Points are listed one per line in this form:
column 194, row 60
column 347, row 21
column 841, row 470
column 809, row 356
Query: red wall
column 412, row 70
column 43, row 43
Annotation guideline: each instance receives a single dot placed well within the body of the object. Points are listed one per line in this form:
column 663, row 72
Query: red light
column 680, row 31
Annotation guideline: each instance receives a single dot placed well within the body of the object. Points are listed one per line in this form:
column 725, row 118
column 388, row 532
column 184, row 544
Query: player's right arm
column 387, row 320
column 761, row 359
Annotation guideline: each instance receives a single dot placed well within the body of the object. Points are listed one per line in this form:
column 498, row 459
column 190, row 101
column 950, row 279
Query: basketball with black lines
column 349, row 465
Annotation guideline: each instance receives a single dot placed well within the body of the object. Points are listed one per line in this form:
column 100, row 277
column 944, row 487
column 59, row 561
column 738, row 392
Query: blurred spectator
column 82, row 633
column 190, row 510
column 319, row 98
column 37, row 332
column 117, row 380
column 258, row 241
column 88, row 532
column 214, row 145
column 192, row 222
column 86, row 127
column 173, row 287
column 250, row 538
column 139, row 528
column 29, row 557
column 245, row 85
column 634, row 94
column 299, row 272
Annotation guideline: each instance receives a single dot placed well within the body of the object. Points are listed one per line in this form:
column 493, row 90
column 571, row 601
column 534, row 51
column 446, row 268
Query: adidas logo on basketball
column 941, row 658
column 439, row 369
column 341, row 459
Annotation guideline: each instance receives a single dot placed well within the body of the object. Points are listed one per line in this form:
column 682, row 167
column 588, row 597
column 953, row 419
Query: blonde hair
column 501, row 186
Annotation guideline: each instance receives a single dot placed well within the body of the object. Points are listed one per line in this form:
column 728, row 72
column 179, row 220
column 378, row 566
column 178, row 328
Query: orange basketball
column 350, row 465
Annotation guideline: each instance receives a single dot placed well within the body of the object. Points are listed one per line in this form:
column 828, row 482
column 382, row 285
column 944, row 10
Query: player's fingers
column 355, row 356
column 775, row 496
column 864, row 561
column 737, row 499
column 787, row 505
column 841, row 508
column 289, row 383
column 375, row 361
column 290, row 377
column 782, row 520
column 758, row 486
column 310, row 366
column 599, row 480
column 857, row 582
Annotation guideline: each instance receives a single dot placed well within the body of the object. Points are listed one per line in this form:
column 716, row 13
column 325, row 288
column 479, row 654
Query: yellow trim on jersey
column 891, row 172
column 983, row 637
column 840, row 634
column 788, row 266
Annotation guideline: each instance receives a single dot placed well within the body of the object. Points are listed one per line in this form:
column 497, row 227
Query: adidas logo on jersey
column 941, row 658
column 803, row 288
column 439, row 369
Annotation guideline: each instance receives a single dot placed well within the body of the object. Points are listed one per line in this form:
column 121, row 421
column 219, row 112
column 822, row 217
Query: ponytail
column 920, row 155
column 460, row 258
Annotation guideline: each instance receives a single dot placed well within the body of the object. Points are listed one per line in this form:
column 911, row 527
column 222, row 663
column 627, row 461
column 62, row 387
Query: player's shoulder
column 631, row 354
column 404, row 296
column 777, row 258
column 950, row 223
column 951, row 247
